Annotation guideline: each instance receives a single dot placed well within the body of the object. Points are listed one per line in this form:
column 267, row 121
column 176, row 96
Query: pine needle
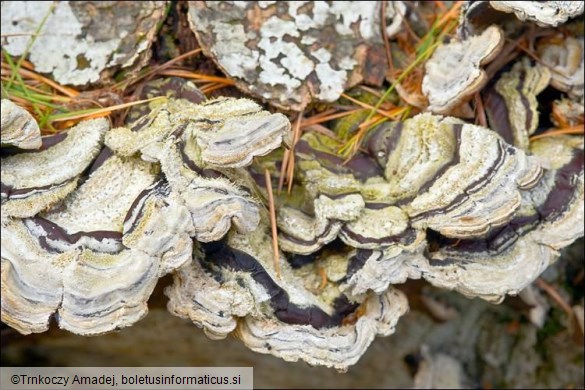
column 276, row 257
column 195, row 76
column 291, row 155
column 578, row 130
column 94, row 113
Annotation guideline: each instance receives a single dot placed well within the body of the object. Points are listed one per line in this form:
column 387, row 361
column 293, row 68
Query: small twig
column 507, row 54
column 314, row 120
column 371, row 90
column 162, row 67
column 283, row 170
column 192, row 75
column 318, row 128
column 276, row 258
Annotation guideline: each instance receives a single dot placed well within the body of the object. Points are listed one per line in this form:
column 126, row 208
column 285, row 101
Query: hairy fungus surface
column 510, row 258
column 83, row 50
column 93, row 217
column 422, row 186
column 290, row 53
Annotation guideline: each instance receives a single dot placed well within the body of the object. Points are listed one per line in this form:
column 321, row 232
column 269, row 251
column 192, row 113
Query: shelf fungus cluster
column 437, row 198
column 93, row 217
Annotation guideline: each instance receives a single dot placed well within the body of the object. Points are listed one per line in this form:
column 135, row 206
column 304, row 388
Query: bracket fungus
column 289, row 53
column 453, row 73
column 544, row 13
column 192, row 142
column 93, row 217
column 507, row 260
column 19, row 128
column 431, row 197
column 420, row 159
column 34, row 180
column 83, row 50
column 282, row 315
column 511, row 104
column 80, row 242
column 64, row 257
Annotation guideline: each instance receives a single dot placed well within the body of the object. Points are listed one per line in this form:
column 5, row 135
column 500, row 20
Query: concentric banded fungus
column 331, row 196
column 19, row 127
column 376, row 270
column 511, row 105
column 236, row 140
column 510, row 258
column 338, row 347
column 159, row 225
column 458, row 179
column 88, row 41
column 187, row 139
column 226, row 132
column 304, row 234
column 566, row 60
column 81, row 246
column 35, row 180
column 453, row 74
column 289, row 53
column 235, row 278
column 544, row 13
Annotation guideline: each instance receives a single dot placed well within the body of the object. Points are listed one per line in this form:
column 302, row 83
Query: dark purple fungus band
column 33, row 181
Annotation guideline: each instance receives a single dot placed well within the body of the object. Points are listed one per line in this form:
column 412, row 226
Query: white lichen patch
column 78, row 41
column 291, row 52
